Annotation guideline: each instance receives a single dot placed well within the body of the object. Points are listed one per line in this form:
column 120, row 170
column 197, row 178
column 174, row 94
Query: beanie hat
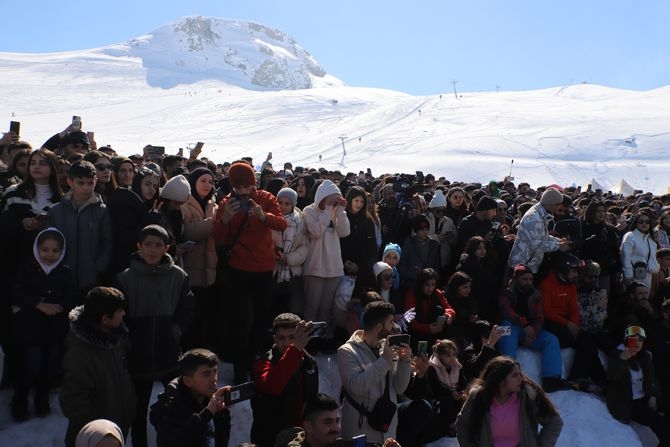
column 420, row 223
column 392, row 247
column 241, row 174
column 551, row 196
column 521, row 269
column 75, row 137
column 177, row 189
column 438, row 201
column 486, row 203
column 380, row 267
column 290, row 194
column 325, row 189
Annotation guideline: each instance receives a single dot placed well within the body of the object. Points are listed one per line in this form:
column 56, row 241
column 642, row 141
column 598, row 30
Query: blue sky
column 414, row 47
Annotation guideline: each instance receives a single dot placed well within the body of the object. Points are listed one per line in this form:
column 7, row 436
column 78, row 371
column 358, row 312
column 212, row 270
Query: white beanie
column 379, row 267
column 177, row 189
column 325, row 189
column 438, row 200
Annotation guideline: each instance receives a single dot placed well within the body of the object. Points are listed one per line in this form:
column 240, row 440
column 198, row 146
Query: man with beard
column 368, row 366
column 521, row 310
column 321, row 425
column 559, row 297
column 244, row 223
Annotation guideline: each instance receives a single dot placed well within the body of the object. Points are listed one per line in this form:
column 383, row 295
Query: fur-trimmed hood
column 92, row 335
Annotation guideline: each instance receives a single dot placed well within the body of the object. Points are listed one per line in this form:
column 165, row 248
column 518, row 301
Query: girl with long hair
column 504, row 407
column 638, row 250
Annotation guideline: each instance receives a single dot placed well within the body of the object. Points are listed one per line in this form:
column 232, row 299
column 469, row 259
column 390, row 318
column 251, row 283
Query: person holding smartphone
column 632, row 391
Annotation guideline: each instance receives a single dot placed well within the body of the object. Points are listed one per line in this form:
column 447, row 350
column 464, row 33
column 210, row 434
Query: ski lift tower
column 344, row 150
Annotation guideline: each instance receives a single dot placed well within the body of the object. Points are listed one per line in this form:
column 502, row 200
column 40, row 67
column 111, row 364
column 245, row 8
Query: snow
column 587, row 421
column 245, row 89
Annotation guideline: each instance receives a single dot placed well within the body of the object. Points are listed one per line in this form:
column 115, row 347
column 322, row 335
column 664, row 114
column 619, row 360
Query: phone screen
column 422, row 347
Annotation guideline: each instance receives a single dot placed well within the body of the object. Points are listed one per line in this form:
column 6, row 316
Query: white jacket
column 324, row 257
column 638, row 247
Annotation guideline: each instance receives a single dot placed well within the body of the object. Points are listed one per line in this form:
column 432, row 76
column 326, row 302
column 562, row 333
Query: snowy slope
column 246, row 89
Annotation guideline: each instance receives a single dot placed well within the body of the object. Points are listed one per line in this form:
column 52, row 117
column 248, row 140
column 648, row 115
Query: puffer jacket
column 638, row 247
column 532, row 239
column 363, row 377
column 200, row 262
column 96, row 383
column 88, row 232
column 160, row 306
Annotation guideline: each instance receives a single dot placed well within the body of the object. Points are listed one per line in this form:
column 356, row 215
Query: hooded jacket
column 363, row 375
column 160, row 306
column 34, row 283
column 88, row 232
column 96, row 383
column 532, row 239
column 638, row 247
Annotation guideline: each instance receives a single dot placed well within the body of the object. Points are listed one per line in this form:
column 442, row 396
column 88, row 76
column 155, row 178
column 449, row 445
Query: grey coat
column 363, row 377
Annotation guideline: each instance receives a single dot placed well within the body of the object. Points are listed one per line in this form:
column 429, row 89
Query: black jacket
column 128, row 216
column 180, row 420
column 96, row 383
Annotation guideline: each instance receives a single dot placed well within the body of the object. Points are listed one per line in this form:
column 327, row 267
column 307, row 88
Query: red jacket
column 423, row 327
column 254, row 250
column 560, row 300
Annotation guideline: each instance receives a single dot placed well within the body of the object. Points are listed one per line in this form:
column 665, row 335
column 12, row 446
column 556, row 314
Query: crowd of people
column 124, row 271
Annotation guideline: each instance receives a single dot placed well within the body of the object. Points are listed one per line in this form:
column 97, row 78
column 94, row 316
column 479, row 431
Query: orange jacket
column 560, row 300
column 254, row 250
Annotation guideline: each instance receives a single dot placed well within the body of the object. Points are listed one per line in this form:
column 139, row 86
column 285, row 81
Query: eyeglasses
column 103, row 167
column 633, row 331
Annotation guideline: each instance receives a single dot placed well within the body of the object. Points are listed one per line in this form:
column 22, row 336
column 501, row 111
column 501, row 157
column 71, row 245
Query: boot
column 556, row 383
column 42, row 407
column 19, row 405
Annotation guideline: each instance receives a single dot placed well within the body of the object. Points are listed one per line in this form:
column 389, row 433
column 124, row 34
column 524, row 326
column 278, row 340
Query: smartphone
column 632, row 342
column 76, row 121
column 319, row 329
column 189, row 243
column 91, row 136
column 156, row 150
column 245, row 205
column 239, row 393
column 422, row 348
column 505, row 330
column 198, row 146
column 369, row 171
column 356, row 441
column 399, row 340
column 15, row 126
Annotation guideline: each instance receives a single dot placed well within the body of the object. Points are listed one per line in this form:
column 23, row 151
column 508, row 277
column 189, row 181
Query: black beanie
column 486, row 203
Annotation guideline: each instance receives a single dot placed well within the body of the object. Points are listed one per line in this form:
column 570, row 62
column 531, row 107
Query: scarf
column 287, row 237
column 396, row 278
column 447, row 378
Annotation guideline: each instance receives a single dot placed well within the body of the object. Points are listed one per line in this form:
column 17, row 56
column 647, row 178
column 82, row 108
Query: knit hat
column 551, row 196
column 420, row 223
column 438, row 201
column 75, row 137
column 380, row 267
column 93, row 432
column 486, row 203
column 177, row 189
column 392, row 247
column 241, row 174
column 325, row 189
column 290, row 194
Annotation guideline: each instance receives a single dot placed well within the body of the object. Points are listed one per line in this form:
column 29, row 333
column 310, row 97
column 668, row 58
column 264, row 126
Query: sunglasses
column 103, row 167
column 633, row 331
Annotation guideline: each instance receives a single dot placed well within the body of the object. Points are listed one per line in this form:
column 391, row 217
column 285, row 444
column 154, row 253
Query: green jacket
column 529, row 418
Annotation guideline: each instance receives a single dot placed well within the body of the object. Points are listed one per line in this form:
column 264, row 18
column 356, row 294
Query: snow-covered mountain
column 242, row 88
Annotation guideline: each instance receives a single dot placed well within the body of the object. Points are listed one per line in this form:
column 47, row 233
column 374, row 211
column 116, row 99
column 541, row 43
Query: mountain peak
column 242, row 53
